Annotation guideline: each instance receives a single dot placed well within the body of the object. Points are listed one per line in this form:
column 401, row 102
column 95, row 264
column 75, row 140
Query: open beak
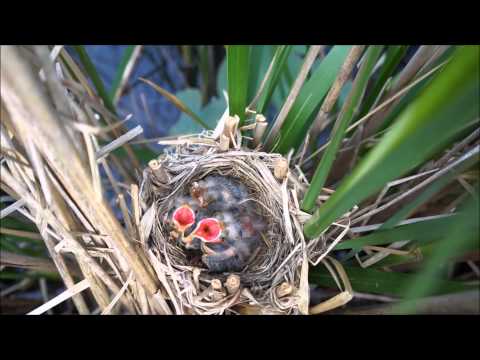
column 209, row 230
column 183, row 218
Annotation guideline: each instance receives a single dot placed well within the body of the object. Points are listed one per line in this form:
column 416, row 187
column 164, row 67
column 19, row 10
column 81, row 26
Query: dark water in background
column 156, row 115
column 160, row 64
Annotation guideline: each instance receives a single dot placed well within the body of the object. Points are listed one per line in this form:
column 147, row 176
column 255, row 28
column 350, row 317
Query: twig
column 27, row 262
column 378, row 108
column 334, row 92
column 118, row 142
column 360, row 229
column 297, row 85
column 110, row 306
column 21, row 233
column 11, row 208
column 424, row 183
column 67, row 294
column 127, row 72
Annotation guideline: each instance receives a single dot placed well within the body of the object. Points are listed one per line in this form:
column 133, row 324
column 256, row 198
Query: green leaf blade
column 300, row 117
column 385, row 283
column 338, row 133
column 238, row 60
column 452, row 94
column 126, row 57
column 95, row 77
column 393, row 57
column 280, row 62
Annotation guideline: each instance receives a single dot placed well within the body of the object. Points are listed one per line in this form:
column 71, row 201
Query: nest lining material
column 276, row 280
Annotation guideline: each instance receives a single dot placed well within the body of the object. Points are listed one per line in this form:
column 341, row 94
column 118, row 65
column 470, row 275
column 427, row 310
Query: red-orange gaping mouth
column 183, row 218
column 209, row 230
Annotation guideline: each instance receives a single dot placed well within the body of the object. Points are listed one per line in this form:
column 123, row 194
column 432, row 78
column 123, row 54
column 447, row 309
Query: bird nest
column 276, row 279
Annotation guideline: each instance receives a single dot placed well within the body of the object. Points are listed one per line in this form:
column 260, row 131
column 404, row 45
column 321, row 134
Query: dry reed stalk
column 26, row 262
column 77, row 288
column 63, row 269
column 386, row 103
column 338, row 273
column 309, row 59
column 334, row 92
column 422, row 56
column 260, row 128
column 58, row 190
column 21, row 92
column 45, row 216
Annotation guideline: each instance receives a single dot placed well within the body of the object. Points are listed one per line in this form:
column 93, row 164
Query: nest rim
column 263, row 281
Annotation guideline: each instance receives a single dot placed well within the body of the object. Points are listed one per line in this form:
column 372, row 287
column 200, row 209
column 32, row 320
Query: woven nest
column 276, row 280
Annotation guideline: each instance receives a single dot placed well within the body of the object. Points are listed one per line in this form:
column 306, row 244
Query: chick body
column 219, row 193
column 226, row 200
column 241, row 239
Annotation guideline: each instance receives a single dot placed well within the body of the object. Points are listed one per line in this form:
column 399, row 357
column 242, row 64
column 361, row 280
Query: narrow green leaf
column 238, row 59
column 431, row 190
column 15, row 275
column 258, row 67
column 453, row 243
column 338, row 132
column 393, row 56
column 415, row 255
column 424, row 128
column 279, row 64
column 210, row 112
column 95, row 77
column 424, row 231
column 379, row 282
column 122, row 67
column 177, row 102
column 301, row 115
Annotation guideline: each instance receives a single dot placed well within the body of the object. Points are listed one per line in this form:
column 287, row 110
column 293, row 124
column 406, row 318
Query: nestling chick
column 218, row 193
column 208, row 230
column 219, row 220
column 183, row 216
column 241, row 237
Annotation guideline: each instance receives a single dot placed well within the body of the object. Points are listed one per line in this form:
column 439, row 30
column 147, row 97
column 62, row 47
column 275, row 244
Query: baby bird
column 227, row 245
column 218, row 193
column 184, row 214
column 240, row 241
column 218, row 220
